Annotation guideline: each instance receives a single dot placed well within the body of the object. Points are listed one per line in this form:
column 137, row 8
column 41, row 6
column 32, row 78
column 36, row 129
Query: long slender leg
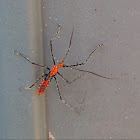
column 53, row 38
column 33, row 83
column 78, row 64
column 69, row 82
column 18, row 53
column 69, row 45
column 93, row 73
column 63, row 101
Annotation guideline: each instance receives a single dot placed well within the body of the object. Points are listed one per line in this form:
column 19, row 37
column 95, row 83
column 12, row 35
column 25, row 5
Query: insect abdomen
column 43, row 86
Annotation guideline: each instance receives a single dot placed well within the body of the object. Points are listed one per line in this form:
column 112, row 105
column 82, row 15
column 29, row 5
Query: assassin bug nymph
column 55, row 70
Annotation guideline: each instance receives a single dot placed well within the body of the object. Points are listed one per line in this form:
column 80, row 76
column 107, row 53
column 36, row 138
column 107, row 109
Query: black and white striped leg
column 63, row 101
column 33, row 83
column 51, row 45
column 69, row 82
column 20, row 54
column 79, row 64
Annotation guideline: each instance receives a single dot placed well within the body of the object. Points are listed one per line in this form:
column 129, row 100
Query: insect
column 46, row 78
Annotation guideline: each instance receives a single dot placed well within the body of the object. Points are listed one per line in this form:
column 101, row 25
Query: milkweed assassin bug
column 46, row 78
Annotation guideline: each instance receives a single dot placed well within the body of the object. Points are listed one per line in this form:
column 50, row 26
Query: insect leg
column 93, row 73
column 79, row 64
column 51, row 45
column 18, row 53
column 33, row 83
column 69, row 82
column 69, row 45
column 63, row 101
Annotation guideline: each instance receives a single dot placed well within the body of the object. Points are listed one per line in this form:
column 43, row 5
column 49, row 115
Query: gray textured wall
column 22, row 114
column 109, row 109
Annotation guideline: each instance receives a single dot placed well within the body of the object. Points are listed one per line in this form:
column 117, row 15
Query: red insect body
column 55, row 69
column 42, row 87
column 44, row 84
